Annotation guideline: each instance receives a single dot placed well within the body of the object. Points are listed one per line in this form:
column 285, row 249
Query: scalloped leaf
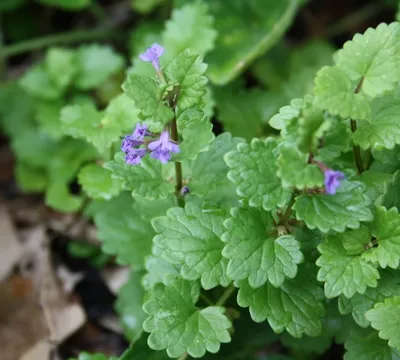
column 296, row 306
column 253, row 171
column 191, row 237
column 145, row 179
column 254, row 250
column 342, row 272
column 346, row 209
column 175, row 324
column 373, row 58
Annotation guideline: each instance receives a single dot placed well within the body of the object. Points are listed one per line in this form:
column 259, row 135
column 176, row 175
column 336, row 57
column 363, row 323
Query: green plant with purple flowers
column 289, row 216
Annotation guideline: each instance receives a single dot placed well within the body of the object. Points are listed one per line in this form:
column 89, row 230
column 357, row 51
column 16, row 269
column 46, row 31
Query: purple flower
column 128, row 143
column 332, row 180
column 140, row 132
column 135, row 156
column 136, row 139
column 185, row 190
column 153, row 54
column 163, row 147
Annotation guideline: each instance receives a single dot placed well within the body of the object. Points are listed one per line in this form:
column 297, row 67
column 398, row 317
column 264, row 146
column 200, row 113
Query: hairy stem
column 353, row 126
column 225, row 296
column 178, row 167
column 288, row 212
column 356, row 150
column 58, row 39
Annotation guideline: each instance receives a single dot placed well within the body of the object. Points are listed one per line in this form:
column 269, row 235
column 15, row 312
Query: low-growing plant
column 294, row 226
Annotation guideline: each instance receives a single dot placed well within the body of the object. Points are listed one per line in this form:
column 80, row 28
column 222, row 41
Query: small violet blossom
column 332, row 180
column 136, row 139
column 140, row 132
column 135, row 156
column 153, row 54
column 163, row 147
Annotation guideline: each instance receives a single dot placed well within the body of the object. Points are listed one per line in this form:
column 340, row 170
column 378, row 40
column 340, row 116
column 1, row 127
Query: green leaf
column 199, row 34
column 254, row 250
column 177, row 325
column 123, row 232
column 87, row 356
column 48, row 117
column 312, row 126
column 335, row 142
column 30, row 179
column 16, row 109
column 145, row 6
column 375, row 183
column 68, row 5
column 366, row 345
column 96, row 63
column 101, row 129
column 186, row 71
column 342, row 272
column 359, row 304
column 139, row 350
column 295, row 306
column 129, row 307
column 391, row 196
column 373, row 58
column 147, row 97
column 158, row 270
column 7, row 5
column 287, row 113
column 191, row 238
column 386, row 229
column 209, row 169
column 295, row 171
column 196, row 132
column 145, row 179
column 61, row 66
column 385, row 317
column 334, row 92
column 381, row 128
column 38, row 83
column 354, row 241
column 238, row 44
column 98, row 183
column 253, row 171
column 59, row 198
column 346, row 209
column 244, row 112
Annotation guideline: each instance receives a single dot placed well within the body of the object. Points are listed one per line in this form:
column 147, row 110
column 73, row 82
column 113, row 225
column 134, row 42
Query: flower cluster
column 160, row 149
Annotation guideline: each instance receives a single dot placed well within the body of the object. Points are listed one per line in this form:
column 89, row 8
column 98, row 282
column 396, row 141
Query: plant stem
column 183, row 357
column 288, row 212
column 206, row 299
column 3, row 61
column 178, row 167
column 353, row 126
column 225, row 296
column 352, row 19
column 58, row 39
column 356, row 149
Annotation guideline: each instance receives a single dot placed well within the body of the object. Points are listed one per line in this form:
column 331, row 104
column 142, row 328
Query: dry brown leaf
column 115, row 278
column 10, row 247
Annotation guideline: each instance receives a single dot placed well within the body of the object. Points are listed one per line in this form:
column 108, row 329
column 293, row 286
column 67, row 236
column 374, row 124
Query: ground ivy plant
column 301, row 227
